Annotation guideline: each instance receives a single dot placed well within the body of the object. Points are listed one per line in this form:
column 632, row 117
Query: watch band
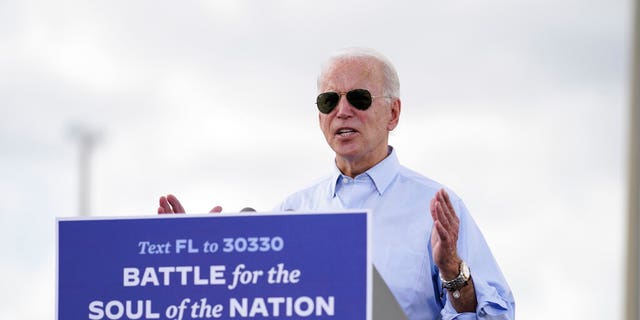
column 460, row 281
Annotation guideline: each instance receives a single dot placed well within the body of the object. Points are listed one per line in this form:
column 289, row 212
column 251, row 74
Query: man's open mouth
column 345, row 132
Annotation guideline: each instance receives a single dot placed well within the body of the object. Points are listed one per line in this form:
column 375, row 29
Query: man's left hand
column 444, row 235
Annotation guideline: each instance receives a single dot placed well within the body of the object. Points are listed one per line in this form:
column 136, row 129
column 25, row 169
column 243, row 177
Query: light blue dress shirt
column 399, row 199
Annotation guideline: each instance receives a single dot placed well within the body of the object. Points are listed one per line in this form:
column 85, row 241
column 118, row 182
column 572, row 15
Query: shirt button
column 345, row 180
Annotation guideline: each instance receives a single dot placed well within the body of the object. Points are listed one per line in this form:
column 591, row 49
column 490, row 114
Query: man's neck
column 352, row 167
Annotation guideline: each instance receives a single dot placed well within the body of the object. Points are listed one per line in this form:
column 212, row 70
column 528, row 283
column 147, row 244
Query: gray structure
column 632, row 294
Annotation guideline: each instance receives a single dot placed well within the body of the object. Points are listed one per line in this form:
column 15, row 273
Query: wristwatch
column 460, row 281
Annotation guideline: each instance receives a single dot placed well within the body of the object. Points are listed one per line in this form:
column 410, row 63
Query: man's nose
column 344, row 108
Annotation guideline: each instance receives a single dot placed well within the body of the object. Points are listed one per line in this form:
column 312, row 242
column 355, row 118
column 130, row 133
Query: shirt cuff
column 491, row 305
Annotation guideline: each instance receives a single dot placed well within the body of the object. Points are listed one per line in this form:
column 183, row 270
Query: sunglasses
column 361, row 99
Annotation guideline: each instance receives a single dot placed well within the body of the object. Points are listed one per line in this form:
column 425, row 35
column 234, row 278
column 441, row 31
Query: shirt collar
column 381, row 174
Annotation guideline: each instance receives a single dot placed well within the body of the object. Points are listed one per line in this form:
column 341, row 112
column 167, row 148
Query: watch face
column 465, row 271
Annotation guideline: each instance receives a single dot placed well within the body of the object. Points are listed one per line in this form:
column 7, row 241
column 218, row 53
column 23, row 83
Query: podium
column 385, row 306
column 230, row 266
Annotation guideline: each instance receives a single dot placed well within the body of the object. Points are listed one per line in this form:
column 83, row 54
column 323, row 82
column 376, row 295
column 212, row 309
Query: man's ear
column 396, row 106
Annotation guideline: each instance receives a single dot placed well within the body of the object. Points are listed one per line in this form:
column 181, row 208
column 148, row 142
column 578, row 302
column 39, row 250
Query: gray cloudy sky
column 519, row 106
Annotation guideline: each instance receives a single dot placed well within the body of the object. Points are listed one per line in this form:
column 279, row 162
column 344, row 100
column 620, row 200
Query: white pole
column 633, row 246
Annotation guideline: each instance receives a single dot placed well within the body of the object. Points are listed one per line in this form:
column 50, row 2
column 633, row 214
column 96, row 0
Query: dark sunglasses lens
column 327, row 101
column 359, row 98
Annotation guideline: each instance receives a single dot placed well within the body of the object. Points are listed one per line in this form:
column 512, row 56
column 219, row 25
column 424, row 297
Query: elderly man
column 426, row 246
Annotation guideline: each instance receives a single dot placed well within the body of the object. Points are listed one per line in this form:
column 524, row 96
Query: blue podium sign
column 248, row 266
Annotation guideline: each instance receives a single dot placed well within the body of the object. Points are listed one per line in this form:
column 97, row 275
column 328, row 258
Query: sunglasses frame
column 346, row 94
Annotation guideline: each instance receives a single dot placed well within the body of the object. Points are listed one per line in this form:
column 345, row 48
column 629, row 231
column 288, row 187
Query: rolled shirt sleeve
column 495, row 300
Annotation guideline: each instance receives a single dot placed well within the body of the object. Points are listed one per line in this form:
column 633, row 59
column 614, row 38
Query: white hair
column 390, row 76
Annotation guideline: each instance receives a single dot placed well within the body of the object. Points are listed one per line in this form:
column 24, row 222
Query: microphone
column 248, row 209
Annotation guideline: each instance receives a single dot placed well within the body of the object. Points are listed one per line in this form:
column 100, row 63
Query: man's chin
column 348, row 153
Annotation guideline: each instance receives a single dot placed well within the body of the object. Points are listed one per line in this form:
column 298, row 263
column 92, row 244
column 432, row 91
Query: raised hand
column 169, row 204
column 444, row 239
column 444, row 235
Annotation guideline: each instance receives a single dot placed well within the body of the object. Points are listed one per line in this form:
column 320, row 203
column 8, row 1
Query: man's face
column 358, row 136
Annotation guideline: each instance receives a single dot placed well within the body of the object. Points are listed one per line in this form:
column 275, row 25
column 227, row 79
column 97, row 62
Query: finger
column 435, row 236
column 436, row 210
column 448, row 201
column 432, row 208
column 175, row 204
column 453, row 217
column 449, row 218
column 216, row 209
column 442, row 216
column 161, row 210
column 442, row 233
column 164, row 204
column 442, row 201
column 447, row 208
